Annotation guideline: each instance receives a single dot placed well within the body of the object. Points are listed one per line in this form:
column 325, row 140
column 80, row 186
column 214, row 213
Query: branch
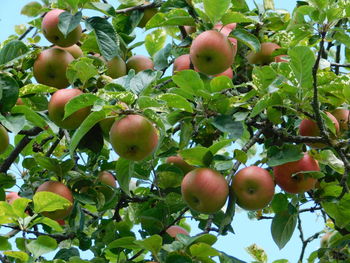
column 138, row 7
column 54, row 145
column 340, row 65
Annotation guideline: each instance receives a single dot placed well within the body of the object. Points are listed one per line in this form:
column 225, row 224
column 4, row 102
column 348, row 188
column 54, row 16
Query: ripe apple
column 180, row 163
column 174, row 230
column 263, row 57
column 4, row 139
column 53, row 33
column 11, row 197
column 298, row 183
column 116, row 67
column 74, row 50
column 310, row 128
column 19, row 102
column 56, row 109
column 134, row 137
column 228, row 72
column 253, row 187
column 148, row 13
column 62, row 190
column 281, row 58
column 50, row 67
column 234, row 45
column 139, row 63
column 211, row 52
column 106, row 178
column 342, row 116
column 204, row 190
column 226, row 29
column 182, row 62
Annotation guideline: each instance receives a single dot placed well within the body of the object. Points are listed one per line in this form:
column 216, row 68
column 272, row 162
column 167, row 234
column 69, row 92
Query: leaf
column 82, row 69
column 189, row 81
column 257, row 253
column 12, row 50
column 288, row 153
column 302, row 59
column 22, row 256
column 152, row 244
column 87, row 124
column 48, row 202
column 339, row 210
column 68, row 22
column 31, row 115
column 216, row 9
column 42, row 245
column 279, row 203
column 124, row 242
column 224, row 258
column 236, row 17
column 176, row 101
column 79, row 102
column 197, row 156
column 8, row 92
column 282, row 228
column 4, row 243
column 327, row 157
column 155, row 41
column 247, row 39
column 19, row 206
column 125, row 170
column 175, row 17
column 202, row 250
column 67, row 253
column 106, row 37
column 104, row 8
column 48, row 222
column 219, row 145
column 225, row 123
column 221, row 83
column 30, row 89
column 161, row 57
column 240, row 156
column 31, row 9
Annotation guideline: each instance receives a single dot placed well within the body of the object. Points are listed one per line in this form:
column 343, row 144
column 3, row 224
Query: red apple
column 116, row 67
column 19, row 102
column 281, row 58
column 11, row 197
column 299, row 183
column 174, row 230
column 204, row 190
column 134, row 137
column 74, row 50
column 50, row 67
column 342, row 116
column 225, row 29
column 52, row 32
column 56, row 109
column 228, row 72
column 211, row 52
column 310, row 128
column 253, row 187
column 264, row 56
column 62, row 190
column 106, row 178
column 182, row 62
column 180, row 163
column 139, row 63
column 4, row 139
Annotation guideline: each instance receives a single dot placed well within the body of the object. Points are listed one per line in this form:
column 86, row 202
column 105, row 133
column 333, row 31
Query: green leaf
column 125, row 170
column 82, row 69
column 279, row 203
column 185, row 134
column 175, row 17
column 68, row 22
column 285, row 154
column 221, row 83
column 106, row 37
column 339, row 210
column 152, row 244
column 155, row 41
column 124, row 242
column 67, row 253
column 22, row 256
column 31, row 9
column 247, row 39
column 19, row 206
column 31, row 115
column 176, row 258
column 79, row 102
column 225, row 123
column 160, row 59
column 219, row 145
column 282, row 228
column 48, row 222
column 197, row 156
column 257, row 253
column 302, row 60
column 327, row 157
column 269, row 4
column 236, row 17
column 4, row 244
column 229, row 259
column 202, row 250
column 12, row 50
column 189, row 81
column 87, row 124
column 240, row 156
column 205, row 238
column 176, row 101
column 216, row 9
column 30, row 89
column 107, row 9
column 48, row 202
column 42, row 245
column 8, row 92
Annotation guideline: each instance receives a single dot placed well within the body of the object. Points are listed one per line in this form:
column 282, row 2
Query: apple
column 61, row 222
column 106, row 178
column 253, row 187
column 53, row 33
column 298, row 183
column 180, row 163
column 234, row 44
column 74, row 50
column 11, row 197
column 56, row 109
column 62, row 190
column 148, row 13
column 342, row 116
column 190, row 29
column 310, row 128
column 4, row 139
column 182, row 62
column 50, row 67
column 19, row 102
column 174, row 230
column 204, row 190
column 139, row 63
column 281, row 58
column 116, row 67
column 225, row 29
column 228, row 72
column 134, row 137
column 264, row 56
column 211, row 52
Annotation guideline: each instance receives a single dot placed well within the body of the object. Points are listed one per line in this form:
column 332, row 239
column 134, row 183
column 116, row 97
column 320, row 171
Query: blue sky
column 247, row 231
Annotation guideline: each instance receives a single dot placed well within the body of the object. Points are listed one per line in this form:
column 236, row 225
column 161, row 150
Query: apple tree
column 117, row 149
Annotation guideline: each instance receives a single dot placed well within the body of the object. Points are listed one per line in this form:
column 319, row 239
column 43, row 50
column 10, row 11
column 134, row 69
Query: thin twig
column 138, row 7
